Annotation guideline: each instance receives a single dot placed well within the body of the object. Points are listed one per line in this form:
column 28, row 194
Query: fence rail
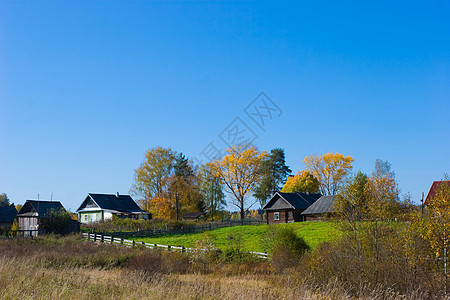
column 182, row 230
column 102, row 238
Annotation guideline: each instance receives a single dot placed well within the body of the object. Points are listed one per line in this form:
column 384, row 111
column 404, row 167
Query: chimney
column 117, row 195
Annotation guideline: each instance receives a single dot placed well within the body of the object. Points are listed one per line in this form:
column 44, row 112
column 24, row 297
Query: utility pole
column 422, row 203
column 176, row 203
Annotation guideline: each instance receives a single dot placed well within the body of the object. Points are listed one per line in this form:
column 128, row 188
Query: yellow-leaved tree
column 303, row 182
column 434, row 227
column 330, row 169
column 240, row 170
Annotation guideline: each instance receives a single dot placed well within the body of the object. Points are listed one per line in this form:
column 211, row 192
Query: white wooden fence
column 101, row 238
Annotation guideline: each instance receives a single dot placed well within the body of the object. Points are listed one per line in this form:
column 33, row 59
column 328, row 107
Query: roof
column 113, row 202
column 322, row 206
column 7, row 214
column 193, row 215
column 434, row 188
column 294, row 200
column 41, row 208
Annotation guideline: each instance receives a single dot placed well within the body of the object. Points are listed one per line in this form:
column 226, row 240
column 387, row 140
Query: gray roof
column 7, row 214
column 41, row 207
column 322, row 206
column 295, row 200
column 119, row 203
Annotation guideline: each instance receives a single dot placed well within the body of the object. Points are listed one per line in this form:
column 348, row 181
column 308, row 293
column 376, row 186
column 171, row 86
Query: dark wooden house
column 32, row 212
column 434, row 188
column 7, row 216
column 319, row 209
column 288, row 207
column 193, row 216
column 101, row 207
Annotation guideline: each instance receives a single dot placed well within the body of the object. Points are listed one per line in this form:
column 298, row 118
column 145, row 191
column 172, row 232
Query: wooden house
column 319, row 209
column 288, row 207
column 193, row 216
column 101, row 207
column 434, row 188
column 7, row 216
column 32, row 213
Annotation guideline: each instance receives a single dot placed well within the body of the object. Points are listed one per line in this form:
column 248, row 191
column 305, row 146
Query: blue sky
column 87, row 87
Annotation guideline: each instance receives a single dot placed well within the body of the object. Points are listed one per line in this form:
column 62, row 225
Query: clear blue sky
column 87, row 87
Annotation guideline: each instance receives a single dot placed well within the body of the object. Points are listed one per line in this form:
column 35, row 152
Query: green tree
column 151, row 178
column 57, row 221
column 211, row 190
column 303, row 182
column 351, row 201
column 183, row 188
column 275, row 172
column 4, row 200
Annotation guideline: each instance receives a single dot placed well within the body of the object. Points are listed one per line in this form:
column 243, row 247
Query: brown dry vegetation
column 69, row 268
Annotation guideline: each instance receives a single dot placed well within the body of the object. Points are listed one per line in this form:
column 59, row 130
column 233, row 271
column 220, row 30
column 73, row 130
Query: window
column 85, row 218
column 276, row 216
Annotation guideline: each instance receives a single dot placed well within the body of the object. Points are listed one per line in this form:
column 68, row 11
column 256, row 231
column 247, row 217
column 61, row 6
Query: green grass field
column 252, row 237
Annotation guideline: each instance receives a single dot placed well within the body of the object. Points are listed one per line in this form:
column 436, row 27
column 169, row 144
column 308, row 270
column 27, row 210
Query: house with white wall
column 101, row 207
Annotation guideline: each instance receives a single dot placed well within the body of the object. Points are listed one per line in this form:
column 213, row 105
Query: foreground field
column 70, row 268
column 251, row 237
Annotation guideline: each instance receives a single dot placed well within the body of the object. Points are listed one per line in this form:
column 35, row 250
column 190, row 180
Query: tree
column 57, row 221
column 183, row 188
column 303, row 182
column 151, row 178
column 240, row 171
column 434, row 227
column 4, row 200
column 275, row 173
column 351, row 201
column 330, row 169
column 382, row 193
column 211, row 190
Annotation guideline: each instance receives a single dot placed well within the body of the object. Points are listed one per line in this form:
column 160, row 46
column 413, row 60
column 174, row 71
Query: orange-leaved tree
column 240, row 170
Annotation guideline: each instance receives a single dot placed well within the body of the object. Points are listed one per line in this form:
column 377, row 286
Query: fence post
column 183, row 249
column 121, row 240
column 168, row 248
column 156, row 246
column 143, row 244
column 112, row 238
column 102, row 237
column 89, row 236
column 95, row 237
column 133, row 243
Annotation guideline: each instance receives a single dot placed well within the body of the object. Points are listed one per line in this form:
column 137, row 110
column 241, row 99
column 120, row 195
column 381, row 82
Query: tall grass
column 70, row 268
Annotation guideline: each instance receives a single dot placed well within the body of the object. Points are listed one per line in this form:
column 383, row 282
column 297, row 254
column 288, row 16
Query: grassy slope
column 252, row 236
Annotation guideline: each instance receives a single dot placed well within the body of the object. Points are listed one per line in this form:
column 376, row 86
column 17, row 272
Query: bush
column 286, row 248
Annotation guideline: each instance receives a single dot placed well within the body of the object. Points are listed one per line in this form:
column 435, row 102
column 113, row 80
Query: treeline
column 169, row 185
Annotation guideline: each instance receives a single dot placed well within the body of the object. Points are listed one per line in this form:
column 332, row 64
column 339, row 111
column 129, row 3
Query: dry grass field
column 70, row 268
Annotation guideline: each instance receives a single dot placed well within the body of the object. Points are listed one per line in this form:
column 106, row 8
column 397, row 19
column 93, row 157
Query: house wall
column 286, row 216
column 28, row 223
column 90, row 217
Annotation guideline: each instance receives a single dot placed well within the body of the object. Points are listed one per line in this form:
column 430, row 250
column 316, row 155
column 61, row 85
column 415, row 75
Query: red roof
column 434, row 187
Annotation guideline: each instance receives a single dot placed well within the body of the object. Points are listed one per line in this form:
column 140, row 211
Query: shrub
column 286, row 247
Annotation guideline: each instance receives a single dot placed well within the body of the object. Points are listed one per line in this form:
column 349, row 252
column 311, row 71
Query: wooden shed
column 32, row 212
column 287, row 207
column 319, row 209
